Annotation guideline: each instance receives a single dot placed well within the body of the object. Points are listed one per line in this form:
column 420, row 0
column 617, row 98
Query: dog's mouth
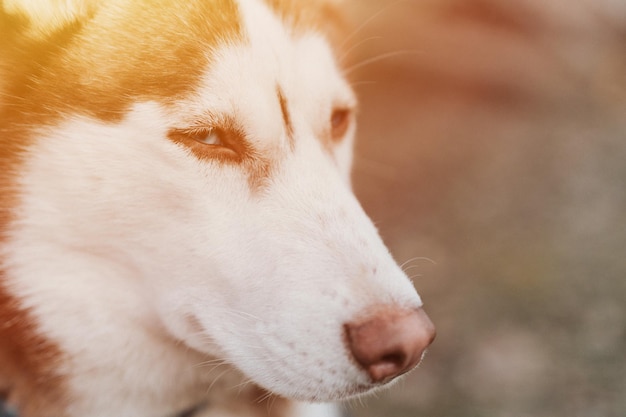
column 348, row 393
column 378, row 348
column 359, row 390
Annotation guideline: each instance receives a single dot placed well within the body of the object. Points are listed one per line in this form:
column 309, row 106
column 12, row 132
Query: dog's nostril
column 395, row 358
column 390, row 342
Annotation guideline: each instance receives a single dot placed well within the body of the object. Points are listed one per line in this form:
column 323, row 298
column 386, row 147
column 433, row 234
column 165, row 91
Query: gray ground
column 492, row 156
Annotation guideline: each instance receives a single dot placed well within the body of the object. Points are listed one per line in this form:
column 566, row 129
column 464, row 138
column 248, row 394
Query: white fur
column 142, row 261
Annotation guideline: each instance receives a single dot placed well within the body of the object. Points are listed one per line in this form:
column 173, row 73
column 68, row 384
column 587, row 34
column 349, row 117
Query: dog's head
column 204, row 147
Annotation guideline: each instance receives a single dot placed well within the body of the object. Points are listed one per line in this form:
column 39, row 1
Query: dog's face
column 205, row 151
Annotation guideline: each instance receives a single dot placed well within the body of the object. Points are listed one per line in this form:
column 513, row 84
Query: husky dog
column 178, row 234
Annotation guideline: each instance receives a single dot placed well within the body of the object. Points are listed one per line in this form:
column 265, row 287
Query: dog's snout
column 390, row 342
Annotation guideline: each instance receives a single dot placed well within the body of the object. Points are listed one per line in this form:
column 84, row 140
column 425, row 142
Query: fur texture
column 178, row 227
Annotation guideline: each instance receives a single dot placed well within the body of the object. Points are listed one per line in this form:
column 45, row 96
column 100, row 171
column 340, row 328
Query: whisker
column 416, row 258
column 248, row 315
column 216, row 379
column 240, row 386
column 208, row 374
column 217, row 362
column 356, row 45
column 380, row 57
column 368, row 21
column 263, row 397
column 270, row 405
column 412, row 277
column 409, row 267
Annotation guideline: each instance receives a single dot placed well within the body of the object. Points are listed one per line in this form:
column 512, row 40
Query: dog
column 178, row 231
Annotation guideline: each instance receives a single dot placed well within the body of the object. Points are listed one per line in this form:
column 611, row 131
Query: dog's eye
column 209, row 142
column 339, row 123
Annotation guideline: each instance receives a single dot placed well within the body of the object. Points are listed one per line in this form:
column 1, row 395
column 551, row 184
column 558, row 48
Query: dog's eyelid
column 211, row 136
column 224, row 143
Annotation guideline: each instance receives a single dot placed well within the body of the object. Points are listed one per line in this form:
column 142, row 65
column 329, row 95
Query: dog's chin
column 325, row 397
column 345, row 393
column 348, row 393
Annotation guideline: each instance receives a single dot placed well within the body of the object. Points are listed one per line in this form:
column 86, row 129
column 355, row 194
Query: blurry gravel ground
column 492, row 156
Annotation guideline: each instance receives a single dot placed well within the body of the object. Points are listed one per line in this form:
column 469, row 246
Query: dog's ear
column 42, row 18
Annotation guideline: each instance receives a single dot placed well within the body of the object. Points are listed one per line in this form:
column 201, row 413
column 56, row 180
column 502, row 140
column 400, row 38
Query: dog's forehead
column 272, row 60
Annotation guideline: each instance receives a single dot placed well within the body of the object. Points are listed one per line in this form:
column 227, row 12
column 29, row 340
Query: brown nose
column 391, row 342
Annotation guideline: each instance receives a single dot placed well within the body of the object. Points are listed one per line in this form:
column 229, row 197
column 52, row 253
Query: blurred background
column 492, row 156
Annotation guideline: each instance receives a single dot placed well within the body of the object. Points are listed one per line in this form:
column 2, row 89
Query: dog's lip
column 340, row 395
column 362, row 389
column 358, row 390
